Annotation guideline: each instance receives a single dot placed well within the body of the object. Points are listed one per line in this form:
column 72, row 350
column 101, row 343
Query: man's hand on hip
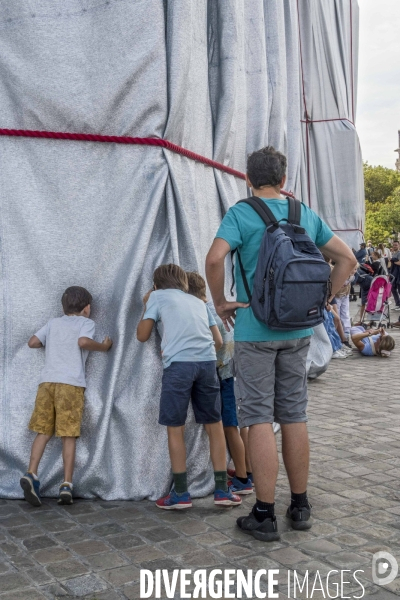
column 227, row 312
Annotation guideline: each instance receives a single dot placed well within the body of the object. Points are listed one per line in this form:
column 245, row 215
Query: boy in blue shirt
column 189, row 337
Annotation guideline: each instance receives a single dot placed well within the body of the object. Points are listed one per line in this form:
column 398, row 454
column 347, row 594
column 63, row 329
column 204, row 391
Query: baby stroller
column 377, row 307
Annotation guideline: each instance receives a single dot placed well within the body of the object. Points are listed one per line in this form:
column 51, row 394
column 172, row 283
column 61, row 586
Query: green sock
column 180, row 482
column 221, row 480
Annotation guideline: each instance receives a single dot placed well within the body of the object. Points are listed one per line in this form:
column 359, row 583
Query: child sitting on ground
column 240, row 483
column 60, row 397
column 189, row 360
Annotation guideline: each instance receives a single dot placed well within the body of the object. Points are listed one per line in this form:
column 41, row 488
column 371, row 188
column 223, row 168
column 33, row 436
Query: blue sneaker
column 222, row 498
column 31, row 487
column 175, row 501
column 237, row 487
column 65, row 494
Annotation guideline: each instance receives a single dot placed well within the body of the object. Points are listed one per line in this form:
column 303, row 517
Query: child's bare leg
column 338, row 323
column 38, row 446
column 68, row 455
column 236, row 449
column 244, row 434
column 215, row 432
column 177, row 448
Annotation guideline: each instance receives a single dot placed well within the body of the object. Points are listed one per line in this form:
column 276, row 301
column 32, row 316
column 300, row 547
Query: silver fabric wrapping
column 220, row 78
column 319, row 354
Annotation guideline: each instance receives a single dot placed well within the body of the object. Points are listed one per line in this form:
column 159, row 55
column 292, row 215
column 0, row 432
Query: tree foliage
column 382, row 203
column 379, row 183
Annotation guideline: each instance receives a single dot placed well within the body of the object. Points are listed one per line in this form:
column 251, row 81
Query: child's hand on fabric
column 107, row 343
column 146, row 297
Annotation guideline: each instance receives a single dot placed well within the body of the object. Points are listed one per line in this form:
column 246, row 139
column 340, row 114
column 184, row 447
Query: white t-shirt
column 64, row 360
column 185, row 331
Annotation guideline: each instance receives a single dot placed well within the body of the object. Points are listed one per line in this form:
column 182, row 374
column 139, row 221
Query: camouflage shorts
column 58, row 408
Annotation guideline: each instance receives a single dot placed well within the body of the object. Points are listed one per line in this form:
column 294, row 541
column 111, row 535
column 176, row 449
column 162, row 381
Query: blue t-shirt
column 185, row 326
column 368, row 341
column 243, row 229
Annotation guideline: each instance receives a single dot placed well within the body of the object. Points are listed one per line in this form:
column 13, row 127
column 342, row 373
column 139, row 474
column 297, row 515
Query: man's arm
column 86, row 343
column 34, row 342
column 215, row 274
column 344, row 261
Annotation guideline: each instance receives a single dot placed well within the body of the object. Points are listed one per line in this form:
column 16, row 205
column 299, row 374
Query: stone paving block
column 73, row 535
column 288, row 556
column 107, row 529
column 27, row 594
column 94, row 518
column 109, row 560
column 320, row 547
column 89, row 547
column 144, row 554
column 54, row 590
column 13, row 581
column 132, row 592
column 125, row 541
column 192, row 527
column 200, row 559
column 5, row 567
column 212, row 538
column 158, row 534
column 38, row 576
column 38, row 543
column 182, row 547
column 67, row 568
column 347, row 560
column 87, row 584
column 14, row 521
column 21, row 561
column 121, row 575
column 50, row 555
column 9, row 548
column 58, row 525
column 25, row 532
column 349, row 539
column 9, row 509
column 78, row 508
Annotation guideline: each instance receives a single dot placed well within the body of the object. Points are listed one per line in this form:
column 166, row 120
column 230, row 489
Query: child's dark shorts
column 229, row 416
column 183, row 381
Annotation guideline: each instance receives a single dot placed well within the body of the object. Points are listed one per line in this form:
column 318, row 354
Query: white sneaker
column 346, row 350
column 339, row 354
column 396, row 308
column 276, row 427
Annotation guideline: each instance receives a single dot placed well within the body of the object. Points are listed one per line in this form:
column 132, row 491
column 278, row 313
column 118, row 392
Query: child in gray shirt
column 60, row 397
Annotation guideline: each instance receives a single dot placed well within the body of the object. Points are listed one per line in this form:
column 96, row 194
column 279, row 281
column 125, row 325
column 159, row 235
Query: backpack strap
column 263, row 211
column 294, row 215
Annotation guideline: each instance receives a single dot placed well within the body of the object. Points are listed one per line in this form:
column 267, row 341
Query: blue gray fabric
column 219, row 78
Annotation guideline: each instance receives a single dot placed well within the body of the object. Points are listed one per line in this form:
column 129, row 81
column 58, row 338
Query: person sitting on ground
column 373, row 342
column 60, row 398
column 190, row 338
column 241, row 483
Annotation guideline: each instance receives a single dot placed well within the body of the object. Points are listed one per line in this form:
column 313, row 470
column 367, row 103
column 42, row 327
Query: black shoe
column 346, row 343
column 266, row 531
column 299, row 517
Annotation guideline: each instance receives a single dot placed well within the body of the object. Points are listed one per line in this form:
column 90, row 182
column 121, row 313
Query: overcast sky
column 378, row 106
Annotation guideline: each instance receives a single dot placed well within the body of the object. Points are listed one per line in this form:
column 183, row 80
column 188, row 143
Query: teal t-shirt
column 243, row 229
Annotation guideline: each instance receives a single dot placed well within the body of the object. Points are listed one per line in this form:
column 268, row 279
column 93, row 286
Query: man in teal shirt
column 270, row 365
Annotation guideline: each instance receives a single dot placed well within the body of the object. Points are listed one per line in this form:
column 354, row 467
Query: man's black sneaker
column 299, row 517
column 266, row 531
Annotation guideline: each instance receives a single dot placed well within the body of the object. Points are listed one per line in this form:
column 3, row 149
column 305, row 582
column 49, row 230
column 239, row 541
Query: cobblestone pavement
column 95, row 549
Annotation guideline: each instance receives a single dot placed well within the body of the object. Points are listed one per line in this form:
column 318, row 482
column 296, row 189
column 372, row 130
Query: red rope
column 116, row 139
column 326, row 120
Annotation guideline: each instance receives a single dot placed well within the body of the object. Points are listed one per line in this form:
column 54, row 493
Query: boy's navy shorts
column 229, row 416
column 183, row 381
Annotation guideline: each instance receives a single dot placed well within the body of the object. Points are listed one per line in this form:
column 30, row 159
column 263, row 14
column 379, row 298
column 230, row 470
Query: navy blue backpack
column 292, row 279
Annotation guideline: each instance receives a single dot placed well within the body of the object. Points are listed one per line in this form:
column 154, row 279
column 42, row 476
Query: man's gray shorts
column 271, row 381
